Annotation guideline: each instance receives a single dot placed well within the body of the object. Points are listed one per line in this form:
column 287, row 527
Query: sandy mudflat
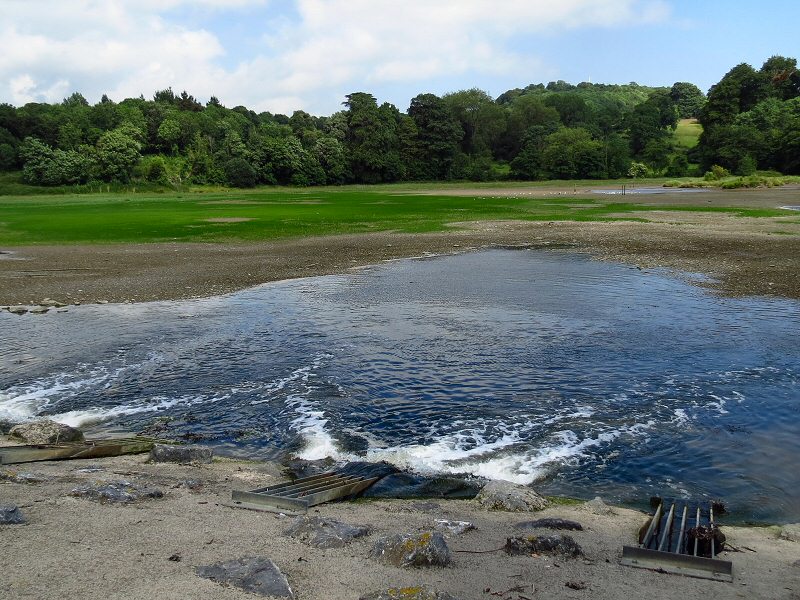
column 742, row 256
column 76, row 548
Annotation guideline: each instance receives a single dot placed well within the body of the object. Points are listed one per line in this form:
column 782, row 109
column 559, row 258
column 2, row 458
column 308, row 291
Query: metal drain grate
column 684, row 541
column 296, row 496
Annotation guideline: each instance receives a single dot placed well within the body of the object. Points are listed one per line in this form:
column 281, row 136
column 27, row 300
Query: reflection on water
column 584, row 377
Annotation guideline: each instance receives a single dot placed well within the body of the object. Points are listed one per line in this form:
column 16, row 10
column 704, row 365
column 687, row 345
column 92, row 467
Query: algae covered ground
column 280, row 213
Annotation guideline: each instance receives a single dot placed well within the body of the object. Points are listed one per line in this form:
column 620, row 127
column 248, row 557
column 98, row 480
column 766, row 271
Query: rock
column 193, row 485
column 45, row 432
column 320, row 532
column 412, row 550
column 254, row 574
column 422, row 592
column 15, row 477
column 39, row 310
column 505, row 495
column 116, row 492
column 454, row 527
column 549, row 544
column 298, row 468
column 791, row 532
column 180, row 454
column 411, row 485
column 562, row 524
column 11, row 515
column 52, row 303
column 18, row 310
column 598, row 507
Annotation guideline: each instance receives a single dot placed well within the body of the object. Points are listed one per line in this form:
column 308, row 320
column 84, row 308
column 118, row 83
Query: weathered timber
column 86, row 449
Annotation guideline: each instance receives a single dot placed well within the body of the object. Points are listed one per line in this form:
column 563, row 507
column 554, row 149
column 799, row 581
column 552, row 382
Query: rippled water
column 581, row 376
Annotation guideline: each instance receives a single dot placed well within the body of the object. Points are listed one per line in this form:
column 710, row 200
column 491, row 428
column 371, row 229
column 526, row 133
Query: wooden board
column 88, row 449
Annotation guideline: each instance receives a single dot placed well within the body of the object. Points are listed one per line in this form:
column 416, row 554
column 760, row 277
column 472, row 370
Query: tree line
column 553, row 131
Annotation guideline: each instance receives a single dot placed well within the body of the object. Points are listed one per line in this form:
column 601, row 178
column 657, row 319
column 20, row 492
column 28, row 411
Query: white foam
column 90, row 415
column 22, row 403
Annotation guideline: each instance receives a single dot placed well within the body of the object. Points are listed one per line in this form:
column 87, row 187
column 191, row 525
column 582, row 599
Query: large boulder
column 320, row 532
column 11, row 515
column 417, row 592
column 116, row 492
column 252, row 573
column 426, row 549
column 44, row 432
column 180, row 454
column 505, row 495
column 562, row 545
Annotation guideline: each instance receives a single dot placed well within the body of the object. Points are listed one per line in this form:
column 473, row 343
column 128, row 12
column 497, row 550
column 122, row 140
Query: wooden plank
column 88, row 449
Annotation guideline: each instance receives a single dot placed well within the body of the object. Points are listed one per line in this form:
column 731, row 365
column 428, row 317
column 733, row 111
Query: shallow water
column 580, row 376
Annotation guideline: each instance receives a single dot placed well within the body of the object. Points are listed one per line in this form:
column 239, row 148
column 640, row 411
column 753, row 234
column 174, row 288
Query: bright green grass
column 688, row 133
column 286, row 213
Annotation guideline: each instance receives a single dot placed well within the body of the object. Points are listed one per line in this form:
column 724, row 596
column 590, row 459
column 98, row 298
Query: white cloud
column 330, row 47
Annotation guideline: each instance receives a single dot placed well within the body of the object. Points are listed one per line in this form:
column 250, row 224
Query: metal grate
column 684, row 541
column 296, row 496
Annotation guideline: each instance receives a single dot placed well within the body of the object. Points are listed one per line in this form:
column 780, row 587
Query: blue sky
column 283, row 55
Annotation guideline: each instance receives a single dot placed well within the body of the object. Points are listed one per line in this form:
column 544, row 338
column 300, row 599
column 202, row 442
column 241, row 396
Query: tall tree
column 438, row 134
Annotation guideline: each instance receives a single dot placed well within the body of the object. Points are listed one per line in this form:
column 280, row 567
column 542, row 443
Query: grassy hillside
column 688, row 133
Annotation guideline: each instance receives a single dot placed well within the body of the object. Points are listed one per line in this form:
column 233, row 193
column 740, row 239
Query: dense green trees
column 751, row 120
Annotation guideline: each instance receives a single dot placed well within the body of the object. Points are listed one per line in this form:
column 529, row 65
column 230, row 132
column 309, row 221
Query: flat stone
column 16, row 477
column 321, row 532
column 562, row 545
column 791, row 532
column 10, row 514
column 426, row 549
column 52, row 303
column 562, row 524
column 39, row 310
column 254, row 574
column 505, row 495
column 17, row 310
column 116, row 492
column 596, row 506
column 180, row 454
column 454, row 527
column 45, row 431
column 421, row 592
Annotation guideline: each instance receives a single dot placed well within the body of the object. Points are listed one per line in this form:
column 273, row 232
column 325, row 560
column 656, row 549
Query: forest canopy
column 750, row 120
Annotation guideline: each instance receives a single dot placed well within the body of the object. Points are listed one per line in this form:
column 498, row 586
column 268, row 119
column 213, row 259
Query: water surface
column 579, row 376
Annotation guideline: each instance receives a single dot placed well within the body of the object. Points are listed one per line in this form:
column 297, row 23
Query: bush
column 716, row 173
column 747, row 165
column 240, row 173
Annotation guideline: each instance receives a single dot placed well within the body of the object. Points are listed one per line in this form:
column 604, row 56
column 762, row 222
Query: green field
column 273, row 213
column 687, row 134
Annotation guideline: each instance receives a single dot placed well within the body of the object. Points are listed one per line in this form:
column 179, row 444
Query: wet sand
column 74, row 547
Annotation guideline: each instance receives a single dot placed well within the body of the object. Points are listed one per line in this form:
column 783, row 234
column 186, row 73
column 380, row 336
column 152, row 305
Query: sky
column 287, row 55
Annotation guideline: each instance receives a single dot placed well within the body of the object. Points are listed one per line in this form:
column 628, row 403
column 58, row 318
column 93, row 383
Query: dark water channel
column 580, row 376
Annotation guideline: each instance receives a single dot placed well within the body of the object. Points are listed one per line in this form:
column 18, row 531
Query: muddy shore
column 740, row 256
column 149, row 549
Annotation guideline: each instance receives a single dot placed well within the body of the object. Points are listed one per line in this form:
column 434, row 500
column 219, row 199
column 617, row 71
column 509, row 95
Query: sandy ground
column 741, row 256
column 77, row 548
